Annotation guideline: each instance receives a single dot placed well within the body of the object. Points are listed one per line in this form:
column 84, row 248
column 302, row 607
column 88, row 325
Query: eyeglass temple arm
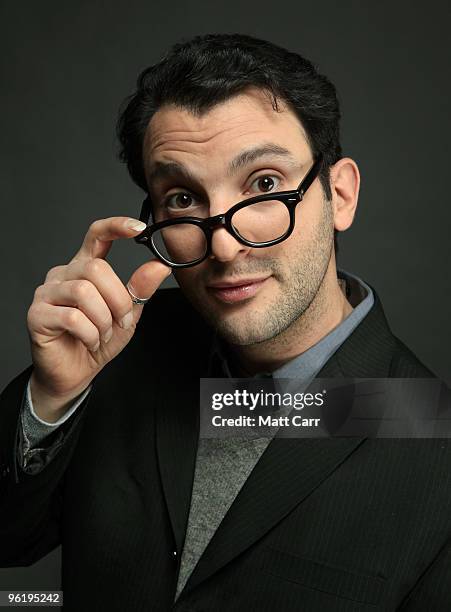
column 146, row 210
column 311, row 175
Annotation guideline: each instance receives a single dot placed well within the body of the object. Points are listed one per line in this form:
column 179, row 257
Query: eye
column 266, row 183
column 179, row 201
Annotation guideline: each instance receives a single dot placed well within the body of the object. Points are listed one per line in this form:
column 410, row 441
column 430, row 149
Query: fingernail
column 136, row 225
column 126, row 321
column 108, row 335
column 96, row 347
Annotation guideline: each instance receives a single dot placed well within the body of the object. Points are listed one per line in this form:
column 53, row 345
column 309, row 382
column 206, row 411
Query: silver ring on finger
column 136, row 299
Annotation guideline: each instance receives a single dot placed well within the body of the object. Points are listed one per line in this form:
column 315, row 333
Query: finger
column 108, row 284
column 101, row 233
column 147, row 278
column 55, row 274
column 81, row 294
column 49, row 320
column 145, row 281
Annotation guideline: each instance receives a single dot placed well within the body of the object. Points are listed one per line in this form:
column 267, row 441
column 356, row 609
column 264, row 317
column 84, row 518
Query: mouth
column 231, row 292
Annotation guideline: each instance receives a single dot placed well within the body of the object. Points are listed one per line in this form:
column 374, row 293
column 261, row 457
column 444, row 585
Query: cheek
column 308, row 217
column 189, row 278
column 302, row 229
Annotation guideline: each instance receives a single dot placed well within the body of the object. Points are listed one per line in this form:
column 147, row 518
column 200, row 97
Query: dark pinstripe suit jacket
column 341, row 524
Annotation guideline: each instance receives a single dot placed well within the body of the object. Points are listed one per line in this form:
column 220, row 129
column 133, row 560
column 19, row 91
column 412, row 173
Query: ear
column 345, row 185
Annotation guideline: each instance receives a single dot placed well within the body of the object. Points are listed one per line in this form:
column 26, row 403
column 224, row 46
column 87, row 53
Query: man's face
column 261, row 291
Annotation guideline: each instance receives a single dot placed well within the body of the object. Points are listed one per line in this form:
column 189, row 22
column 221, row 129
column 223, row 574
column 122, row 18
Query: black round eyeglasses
column 258, row 222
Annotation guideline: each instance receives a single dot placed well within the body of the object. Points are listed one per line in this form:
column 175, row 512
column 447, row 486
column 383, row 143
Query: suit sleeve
column 30, row 504
column 35, row 451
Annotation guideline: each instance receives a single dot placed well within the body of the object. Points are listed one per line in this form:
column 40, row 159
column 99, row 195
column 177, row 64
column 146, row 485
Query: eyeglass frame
column 290, row 198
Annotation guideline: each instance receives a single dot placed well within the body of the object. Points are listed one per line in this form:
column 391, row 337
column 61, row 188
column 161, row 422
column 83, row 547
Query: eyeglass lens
column 260, row 222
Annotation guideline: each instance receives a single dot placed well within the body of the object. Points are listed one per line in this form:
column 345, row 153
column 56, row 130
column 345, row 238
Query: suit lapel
column 177, row 434
column 184, row 356
column 287, row 472
column 276, row 485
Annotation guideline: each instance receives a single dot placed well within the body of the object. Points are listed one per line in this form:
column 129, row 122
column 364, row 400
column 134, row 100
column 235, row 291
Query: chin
column 241, row 331
column 241, row 324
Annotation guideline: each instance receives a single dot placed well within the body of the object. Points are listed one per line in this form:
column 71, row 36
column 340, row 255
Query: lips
column 237, row 291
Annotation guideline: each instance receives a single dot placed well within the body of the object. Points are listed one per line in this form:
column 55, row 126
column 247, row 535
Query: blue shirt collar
column 306, row 365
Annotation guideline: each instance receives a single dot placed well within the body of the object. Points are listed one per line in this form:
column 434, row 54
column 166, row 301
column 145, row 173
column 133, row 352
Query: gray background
column 67, row 66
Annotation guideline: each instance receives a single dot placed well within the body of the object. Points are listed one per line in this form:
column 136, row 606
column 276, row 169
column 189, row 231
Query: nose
column 224, row 247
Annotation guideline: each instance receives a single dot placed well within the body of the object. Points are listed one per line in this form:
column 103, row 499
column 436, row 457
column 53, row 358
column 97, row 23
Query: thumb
column 145, row 281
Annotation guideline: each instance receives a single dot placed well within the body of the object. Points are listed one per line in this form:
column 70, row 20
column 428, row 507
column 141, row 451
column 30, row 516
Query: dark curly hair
column 199, row 73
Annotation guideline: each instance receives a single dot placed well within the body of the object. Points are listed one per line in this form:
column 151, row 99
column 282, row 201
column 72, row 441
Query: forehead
column 244, row 120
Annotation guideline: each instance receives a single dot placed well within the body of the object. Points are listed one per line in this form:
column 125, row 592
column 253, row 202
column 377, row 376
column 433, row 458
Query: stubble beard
column 298, row 286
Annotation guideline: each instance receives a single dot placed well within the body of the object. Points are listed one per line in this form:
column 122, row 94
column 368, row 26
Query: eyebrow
column 270, row 149
column 162, row 170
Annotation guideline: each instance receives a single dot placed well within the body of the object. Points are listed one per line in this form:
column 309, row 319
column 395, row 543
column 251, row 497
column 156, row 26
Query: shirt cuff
column 65, row 416
column 33, row 453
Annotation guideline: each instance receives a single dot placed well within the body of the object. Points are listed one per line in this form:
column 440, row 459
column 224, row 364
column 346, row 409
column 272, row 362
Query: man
column 100, row 440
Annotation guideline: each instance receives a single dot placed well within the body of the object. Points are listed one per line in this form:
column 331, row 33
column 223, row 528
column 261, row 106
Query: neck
column 327, row 310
